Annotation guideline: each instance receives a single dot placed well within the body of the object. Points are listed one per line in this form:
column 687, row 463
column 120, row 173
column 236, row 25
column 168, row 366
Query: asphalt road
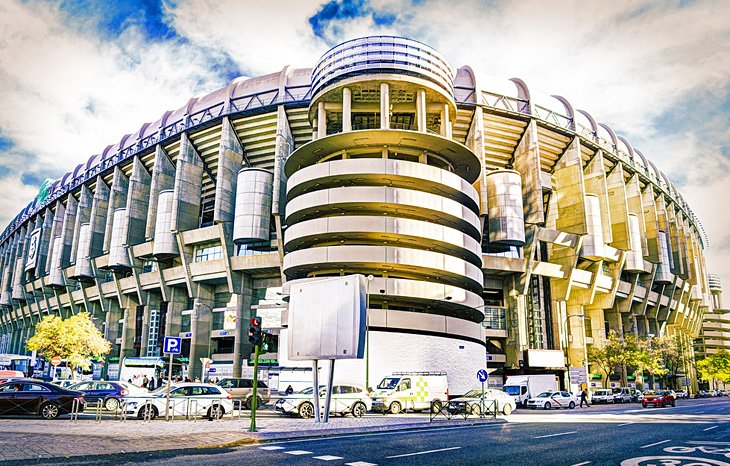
column 696, row 432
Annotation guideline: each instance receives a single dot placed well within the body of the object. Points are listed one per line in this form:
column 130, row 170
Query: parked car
column 722, row 393
column 346, row 399
column 659, row 398
column 242, row 389
column 30, row 396
column 6, row 375
column 417, row 391
column 603, row 395
column 682, row 394
column 109, row 393
column 64, row 383
column 549, row 400
column 188, row 398
column 702, row 394
column 621, row 395
column 494, row 400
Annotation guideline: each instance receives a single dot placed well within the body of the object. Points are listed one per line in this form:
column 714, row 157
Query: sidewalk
column 31, row 438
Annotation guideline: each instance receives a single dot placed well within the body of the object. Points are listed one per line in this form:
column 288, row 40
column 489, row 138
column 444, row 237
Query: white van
column 411, row 390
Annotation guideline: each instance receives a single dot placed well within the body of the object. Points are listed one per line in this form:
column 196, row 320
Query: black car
column 110, row 393
column 31, row 396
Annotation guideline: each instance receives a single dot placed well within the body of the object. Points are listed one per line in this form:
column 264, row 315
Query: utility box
column 327, row 318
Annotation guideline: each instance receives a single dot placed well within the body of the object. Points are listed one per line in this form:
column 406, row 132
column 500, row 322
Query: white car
column 346, row 399
column 549, row 400
column 603, row 395
column 194, row 399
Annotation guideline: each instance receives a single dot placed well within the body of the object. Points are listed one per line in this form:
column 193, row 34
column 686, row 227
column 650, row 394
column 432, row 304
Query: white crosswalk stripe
column 298, row 452
column 327, row 458
column 271, row 448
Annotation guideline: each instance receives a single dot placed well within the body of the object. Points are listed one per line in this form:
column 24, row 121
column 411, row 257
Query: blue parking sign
column 172, row 345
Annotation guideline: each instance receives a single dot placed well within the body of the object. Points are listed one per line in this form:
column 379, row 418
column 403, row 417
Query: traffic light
column 255, row 337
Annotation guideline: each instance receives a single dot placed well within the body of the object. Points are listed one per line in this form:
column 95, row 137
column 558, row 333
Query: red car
column 659, row 398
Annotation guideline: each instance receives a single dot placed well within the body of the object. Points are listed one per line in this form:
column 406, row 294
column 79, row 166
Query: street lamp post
column 567, row 347
column 367, row 333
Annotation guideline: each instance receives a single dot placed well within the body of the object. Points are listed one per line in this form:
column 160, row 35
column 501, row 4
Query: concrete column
column 384, row 106
column 138, row 199
column 200, row 326
column 188, row 187
column 230, row 161
column 346, row 110
column 321, row 121
column 445, row 122
column 163, row 177
column 117, row 200
column 421, row 110
column 243, row 304
column 98, row 219
column 127, row 346
column 113, row 315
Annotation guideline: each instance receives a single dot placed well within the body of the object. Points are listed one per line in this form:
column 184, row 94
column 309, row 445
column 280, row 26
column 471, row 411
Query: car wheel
column 674, row 404
column 249, row 403
column 507, row 409
column 359, row 409
column 215, row 412
column 306, row 410
column 546, row 405
column 436, row 406
column 571, row 405
column 111, row 404
column 148, row 409
column 475, row 410
column 49, row 411
column 394, row 408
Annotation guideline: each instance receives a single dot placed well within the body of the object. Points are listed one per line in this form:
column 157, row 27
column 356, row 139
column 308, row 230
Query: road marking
column 710, row 428
column 298, row 452
column 327, row 458
column 360, row 463
column 625, row 424
column 655, row 444
column 555, row 435
column 581, row 464
column 703, row 442
column 422, row 452
column 271, row 448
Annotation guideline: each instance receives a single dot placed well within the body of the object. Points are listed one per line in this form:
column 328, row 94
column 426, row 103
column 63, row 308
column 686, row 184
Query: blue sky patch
column 113, row 18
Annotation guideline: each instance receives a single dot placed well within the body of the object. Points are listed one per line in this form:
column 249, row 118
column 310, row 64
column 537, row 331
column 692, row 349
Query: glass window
column 178, row 392
column 104, row 386
column 149, row 266
column 208, row 253
column 31, row 387
column 228, row 383
column 83, row 386
column 405, row 384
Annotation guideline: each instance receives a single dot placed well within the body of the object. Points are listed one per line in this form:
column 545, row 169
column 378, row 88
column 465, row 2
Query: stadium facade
column 502, row 227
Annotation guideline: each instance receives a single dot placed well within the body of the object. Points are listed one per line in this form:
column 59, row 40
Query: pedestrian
column 289, row 390
column 584, row 398
column 145, row 381
column 197, row 379
column 152, row 383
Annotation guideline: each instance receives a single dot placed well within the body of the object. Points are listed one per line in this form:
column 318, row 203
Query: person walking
column 584, row 398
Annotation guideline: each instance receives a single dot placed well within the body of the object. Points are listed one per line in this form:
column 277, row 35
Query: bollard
column 97, row 414
column 75, row 406
column 121, row 412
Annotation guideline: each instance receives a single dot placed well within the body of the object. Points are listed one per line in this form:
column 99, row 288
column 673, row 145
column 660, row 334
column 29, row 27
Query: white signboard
column 33, row 245
column 545, row 358
column 270, row 317
column 578, row 375
column 327, row 319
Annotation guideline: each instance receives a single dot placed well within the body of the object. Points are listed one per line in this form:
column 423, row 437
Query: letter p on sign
column 172, row 345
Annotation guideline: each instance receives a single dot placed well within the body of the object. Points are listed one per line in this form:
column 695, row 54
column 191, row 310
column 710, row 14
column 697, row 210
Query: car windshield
column 388, row 383
column 654, row 392
column 512, row 389
column 474, row 394
column 545, row 395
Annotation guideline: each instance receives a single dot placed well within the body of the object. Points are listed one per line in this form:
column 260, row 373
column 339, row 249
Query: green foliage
column 75, row 339
column 715, row 367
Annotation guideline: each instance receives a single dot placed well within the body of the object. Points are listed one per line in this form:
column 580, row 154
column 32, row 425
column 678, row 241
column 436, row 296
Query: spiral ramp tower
column 383, row 190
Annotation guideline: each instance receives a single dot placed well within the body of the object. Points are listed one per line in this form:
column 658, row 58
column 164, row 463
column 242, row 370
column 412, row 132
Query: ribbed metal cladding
column 118, row 257
column 83, row 258
column 592, row 247
column 254, row 194
column 402, row 220
column 504, row 201
column 165, row 242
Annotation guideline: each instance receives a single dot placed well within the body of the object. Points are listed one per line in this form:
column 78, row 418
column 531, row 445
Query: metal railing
column 463, row 409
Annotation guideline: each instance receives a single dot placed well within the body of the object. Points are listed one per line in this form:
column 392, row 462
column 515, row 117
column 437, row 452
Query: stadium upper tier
column 294, row 87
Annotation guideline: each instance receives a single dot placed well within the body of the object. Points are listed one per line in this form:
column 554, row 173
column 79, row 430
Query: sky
column 75, row 76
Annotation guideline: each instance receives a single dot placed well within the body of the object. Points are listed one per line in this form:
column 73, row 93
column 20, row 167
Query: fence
column 463, row 409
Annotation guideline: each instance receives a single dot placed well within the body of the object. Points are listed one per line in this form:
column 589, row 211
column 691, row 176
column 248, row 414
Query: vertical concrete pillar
column 346, row 109
column 230, row 161
column 243, row 304
column 83, row 216
column 421, row 110
column 321, row 121
column 138, row 199
column 163, row 178
column 177, row 304
column 117, row 200
column 200, row 328
column 129, row 315
column 444, row 129
column 188, row 187
column 527, row 163
column 98, row 220
column 384, row 106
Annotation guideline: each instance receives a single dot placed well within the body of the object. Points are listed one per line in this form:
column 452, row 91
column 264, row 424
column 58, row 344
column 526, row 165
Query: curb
column 264, row 437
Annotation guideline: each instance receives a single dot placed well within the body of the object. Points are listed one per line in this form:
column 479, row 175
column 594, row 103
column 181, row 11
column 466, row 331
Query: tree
column 715, row 367
column 670, row 352
column 616, row 351
column 75, row 339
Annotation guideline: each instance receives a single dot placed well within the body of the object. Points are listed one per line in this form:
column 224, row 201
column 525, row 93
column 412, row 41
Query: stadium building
column 502, row 227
